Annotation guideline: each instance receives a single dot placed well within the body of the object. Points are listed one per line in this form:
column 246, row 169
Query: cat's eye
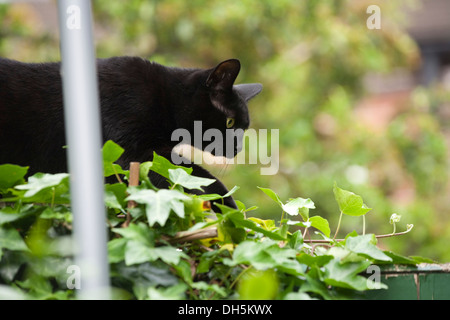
column 230, row 122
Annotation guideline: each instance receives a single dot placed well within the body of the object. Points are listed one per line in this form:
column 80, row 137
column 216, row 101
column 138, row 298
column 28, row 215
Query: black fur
column 142, row 103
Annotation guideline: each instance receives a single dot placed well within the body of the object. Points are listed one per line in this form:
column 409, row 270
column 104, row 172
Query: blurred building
column 428, row 24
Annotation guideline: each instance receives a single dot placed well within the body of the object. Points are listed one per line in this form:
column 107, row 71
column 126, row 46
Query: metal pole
column 83, row 137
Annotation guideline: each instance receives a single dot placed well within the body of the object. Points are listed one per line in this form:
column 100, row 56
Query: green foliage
column 160, row 253
column 312, row 58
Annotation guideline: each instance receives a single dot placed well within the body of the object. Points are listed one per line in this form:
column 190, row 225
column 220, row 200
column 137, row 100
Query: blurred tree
column 311, row 57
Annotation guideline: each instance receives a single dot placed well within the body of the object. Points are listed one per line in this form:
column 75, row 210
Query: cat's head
column 217, row 115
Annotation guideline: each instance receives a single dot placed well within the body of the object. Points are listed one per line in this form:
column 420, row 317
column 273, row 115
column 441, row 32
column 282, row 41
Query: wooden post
column 133, row 182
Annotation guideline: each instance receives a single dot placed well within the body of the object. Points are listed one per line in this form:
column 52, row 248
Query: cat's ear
column 223, row 75
column 248, row 90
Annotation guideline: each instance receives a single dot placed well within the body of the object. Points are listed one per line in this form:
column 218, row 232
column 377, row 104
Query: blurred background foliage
column 322, row 70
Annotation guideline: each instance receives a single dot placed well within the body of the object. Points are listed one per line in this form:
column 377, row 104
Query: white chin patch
column 199, row 156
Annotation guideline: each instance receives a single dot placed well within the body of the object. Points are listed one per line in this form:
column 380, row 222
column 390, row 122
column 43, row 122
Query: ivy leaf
column 346, row 275
column 10, row 175
column 320, row 224
column 137, row 232
column 296, row 240
column 116, row 250
column 176, row 292
column 202, row 285
column 294, row 206
column 215, row 196
column 253, row 253
column 144, row 169
column 159, row 204
column 365, row 245
column 8, row 214
column 181, row 177
column 115, row 196
column 239, row 221
column 111, row 152
column 266, row 255
column 298, row 205
column 162, row 166
column 272, row 195
column 259, row 285
column 11, row 239
column 44, row 187
column 349, row 203
column 137, row 252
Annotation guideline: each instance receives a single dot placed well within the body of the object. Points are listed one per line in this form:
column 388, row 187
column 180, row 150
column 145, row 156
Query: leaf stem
column 117, row 175
column 239, row 276
column 364, row 224
column 380, row 236
column 282, row 217
column 338, row 226
column 52, row 204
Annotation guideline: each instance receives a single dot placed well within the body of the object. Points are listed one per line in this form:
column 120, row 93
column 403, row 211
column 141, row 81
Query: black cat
column 142, row 103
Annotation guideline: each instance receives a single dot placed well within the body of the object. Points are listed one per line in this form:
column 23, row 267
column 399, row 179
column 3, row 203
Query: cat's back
column 31, row 117
column 12, row 71
column 27, row 82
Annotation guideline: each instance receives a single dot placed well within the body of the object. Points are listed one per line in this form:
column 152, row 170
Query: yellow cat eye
column 230, row 122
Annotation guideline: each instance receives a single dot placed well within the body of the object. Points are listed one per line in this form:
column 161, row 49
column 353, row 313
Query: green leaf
column 10, row 175
column 349, row 203
column 204, row 286
column 315, row 284
column 139, row 232
column 183, row 270
column 259, row 285
column 176, row 292
column 111, row 153
column 43, row 183
column 159, row 204
column 162, row 166
column 227, row 230
column 268, row 224
column 320, row 224
column 399, row 259
column 116, row 250
column 10, row 239
column 266, row 255
column 346, row 275
column 207, row 259
column 11, row 293
column 137, row 252
column 296, row 240
column 144, row 275
column 8, row 214
column 239, row 221
column 310, row 260
column 144, row 169
column 115, row 195
column 58, row 212
column 253, row 253
column 365, row 245
column 298, row 205
column 272, row 195
column 214, row 196
column 182, row 178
